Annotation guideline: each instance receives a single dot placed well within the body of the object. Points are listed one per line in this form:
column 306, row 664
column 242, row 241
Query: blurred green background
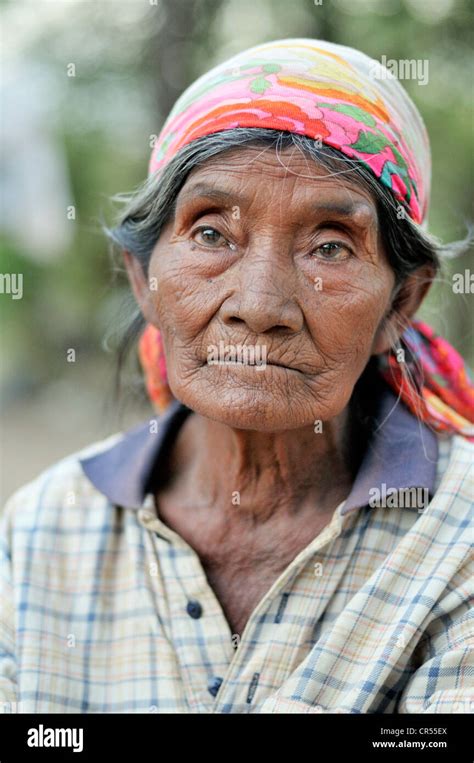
column 84, row 87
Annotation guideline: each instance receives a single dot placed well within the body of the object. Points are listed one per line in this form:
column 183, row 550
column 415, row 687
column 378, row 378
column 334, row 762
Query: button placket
column 150, row 521
column 183, row 605
column 190, row 603
column 199, row 631
column 225, row 696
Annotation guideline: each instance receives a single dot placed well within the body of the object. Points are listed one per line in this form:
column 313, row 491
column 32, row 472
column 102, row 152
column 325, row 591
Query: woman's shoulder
column 455, row 452
column 455, row 474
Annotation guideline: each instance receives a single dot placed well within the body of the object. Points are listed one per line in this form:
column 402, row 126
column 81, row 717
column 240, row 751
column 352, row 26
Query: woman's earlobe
column 412, row 292
column 137, row 278
column 406, row 301
column 387, row 335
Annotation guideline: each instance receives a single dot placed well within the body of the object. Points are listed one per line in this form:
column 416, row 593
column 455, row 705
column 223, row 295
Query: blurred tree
column 180, row 46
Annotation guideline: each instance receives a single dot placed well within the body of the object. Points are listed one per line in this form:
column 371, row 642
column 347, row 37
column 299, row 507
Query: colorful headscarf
column 343, row 99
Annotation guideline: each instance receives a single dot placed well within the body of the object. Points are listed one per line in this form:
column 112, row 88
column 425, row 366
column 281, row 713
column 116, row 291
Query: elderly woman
column 290, row 534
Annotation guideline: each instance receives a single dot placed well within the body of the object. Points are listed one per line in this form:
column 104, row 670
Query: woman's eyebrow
column 209, row 192
column 358, row 213
column 341, row 209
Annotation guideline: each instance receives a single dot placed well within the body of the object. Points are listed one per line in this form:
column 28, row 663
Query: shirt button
column 147, row 516
column 215, row 685
column 194, row 609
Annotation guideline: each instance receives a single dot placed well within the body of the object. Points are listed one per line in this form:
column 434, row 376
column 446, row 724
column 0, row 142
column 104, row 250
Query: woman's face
column 269, row 286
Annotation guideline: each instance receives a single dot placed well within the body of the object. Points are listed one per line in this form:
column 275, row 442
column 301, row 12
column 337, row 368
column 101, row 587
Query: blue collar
column 402, row 454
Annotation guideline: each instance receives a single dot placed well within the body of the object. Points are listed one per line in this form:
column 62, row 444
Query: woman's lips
column 255, row 366
column 244, row 355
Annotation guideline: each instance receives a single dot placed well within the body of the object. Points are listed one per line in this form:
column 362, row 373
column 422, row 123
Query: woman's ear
column 136, row 276
column 406, row 302
column 139, row 284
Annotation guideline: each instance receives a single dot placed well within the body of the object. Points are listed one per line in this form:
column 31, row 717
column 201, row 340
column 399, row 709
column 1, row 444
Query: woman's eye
column 209, row 236
column 332, row 250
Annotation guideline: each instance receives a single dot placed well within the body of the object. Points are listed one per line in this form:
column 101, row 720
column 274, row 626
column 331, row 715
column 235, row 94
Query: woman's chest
column 241, row 570
column 239, row 589
column 242, row 562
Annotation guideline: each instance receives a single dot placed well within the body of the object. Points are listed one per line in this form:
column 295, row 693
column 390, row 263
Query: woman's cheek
column 344, row 318
column 181, row 308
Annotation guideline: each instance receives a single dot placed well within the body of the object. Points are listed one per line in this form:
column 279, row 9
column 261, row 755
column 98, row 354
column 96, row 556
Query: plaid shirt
column 104, row 608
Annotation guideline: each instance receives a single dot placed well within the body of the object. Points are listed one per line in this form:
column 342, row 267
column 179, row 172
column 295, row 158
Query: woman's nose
column 264, row 295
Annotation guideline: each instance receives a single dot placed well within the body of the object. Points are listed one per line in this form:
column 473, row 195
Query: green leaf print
column 369, row 143
column 259, row 85
column 352, row 111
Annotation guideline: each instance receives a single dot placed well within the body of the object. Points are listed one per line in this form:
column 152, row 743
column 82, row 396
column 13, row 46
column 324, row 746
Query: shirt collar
column 401, row 454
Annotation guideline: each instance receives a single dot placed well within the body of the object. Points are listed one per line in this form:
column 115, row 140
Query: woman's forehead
column 251, row 177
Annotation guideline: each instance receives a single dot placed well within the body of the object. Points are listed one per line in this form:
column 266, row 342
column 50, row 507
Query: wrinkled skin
column 250, row 276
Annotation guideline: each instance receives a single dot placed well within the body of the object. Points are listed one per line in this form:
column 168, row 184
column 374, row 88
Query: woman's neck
column 259, row 474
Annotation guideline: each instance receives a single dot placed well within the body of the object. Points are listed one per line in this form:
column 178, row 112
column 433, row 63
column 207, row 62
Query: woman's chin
column 254, row 400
